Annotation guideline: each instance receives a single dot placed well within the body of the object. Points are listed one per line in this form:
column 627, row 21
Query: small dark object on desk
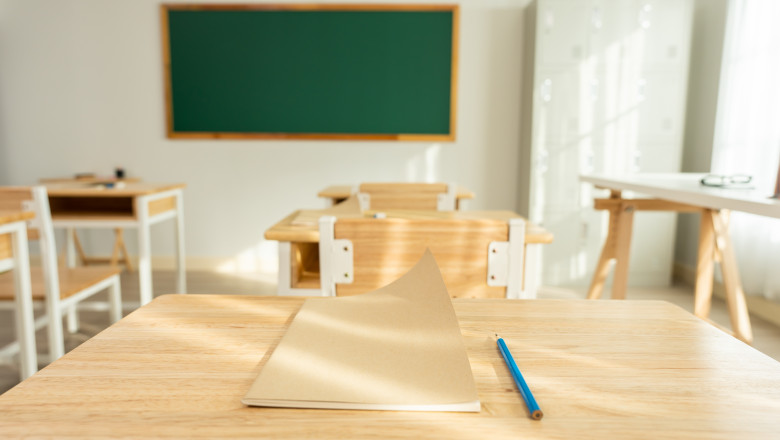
column 85, row 176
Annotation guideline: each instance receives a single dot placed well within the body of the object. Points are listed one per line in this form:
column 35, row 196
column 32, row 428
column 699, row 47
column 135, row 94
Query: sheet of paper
column 397, row 348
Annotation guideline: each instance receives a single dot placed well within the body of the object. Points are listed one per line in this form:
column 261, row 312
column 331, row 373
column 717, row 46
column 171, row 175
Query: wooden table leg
column 616, row 247
column 622, row 250
column 735, row 296
column 79, row 249
column 117, row 247
column 704, row 265
column 121, row 249
column 607, row 254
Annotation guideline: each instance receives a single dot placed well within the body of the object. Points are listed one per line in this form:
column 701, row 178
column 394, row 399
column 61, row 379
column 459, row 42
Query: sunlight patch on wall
column 259, row 258
column 424, row 167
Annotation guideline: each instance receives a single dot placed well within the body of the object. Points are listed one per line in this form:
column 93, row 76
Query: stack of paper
column 397, row 348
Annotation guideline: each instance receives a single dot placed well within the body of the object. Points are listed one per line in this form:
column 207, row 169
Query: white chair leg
column 24, row 321
column 115, row 301
column 72, row 319
column 181, row 279
column 144, row 253
column 56, row 338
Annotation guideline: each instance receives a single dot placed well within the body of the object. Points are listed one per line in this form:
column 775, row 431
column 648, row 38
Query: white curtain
column 747, row 133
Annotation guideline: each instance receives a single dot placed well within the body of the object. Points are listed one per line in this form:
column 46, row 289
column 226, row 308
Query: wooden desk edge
column 284, row 230
column 15, row 216
column 344, row 191
column 55, row 191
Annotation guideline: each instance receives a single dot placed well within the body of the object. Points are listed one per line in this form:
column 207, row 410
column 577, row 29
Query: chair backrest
column 40, row 228
column 415, row 196
column 477, row 258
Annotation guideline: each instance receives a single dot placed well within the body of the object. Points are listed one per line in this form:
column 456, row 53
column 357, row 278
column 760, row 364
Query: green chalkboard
column 311, row 71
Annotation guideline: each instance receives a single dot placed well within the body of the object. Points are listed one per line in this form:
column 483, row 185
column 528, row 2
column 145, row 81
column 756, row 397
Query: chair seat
column 72, row 281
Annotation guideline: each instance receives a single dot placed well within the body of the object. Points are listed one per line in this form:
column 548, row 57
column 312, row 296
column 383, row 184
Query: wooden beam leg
column 115, row 254
column 600, row 275
column 735, row 296
column 704, row 265
column 128, row 261
column 121, row 249
column 79, row 249
column 622, row 248
column 607, row 254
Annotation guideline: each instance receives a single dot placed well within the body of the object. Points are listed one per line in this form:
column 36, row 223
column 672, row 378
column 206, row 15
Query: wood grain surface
column 72, row 281
column 344, row 191
column 385, row 249
column 89, row 189
column 178, row 367
column 285, row 230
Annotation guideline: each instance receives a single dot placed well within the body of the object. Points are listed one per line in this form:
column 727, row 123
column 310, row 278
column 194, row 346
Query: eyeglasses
column 720, row 180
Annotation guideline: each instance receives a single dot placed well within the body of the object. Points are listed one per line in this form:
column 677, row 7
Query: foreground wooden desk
column 299, row 253
column 680, row 192
column 339, row 193
column 14, row 256
column 135, row 205
column 178, row 367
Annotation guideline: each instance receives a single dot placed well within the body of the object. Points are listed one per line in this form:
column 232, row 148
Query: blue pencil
column 533, row 407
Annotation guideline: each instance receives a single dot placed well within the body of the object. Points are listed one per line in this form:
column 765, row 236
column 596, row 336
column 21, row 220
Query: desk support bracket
column 336, row 258
column 714, row 246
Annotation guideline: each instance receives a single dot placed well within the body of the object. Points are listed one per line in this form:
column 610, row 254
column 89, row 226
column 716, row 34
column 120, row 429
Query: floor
column 766, row 335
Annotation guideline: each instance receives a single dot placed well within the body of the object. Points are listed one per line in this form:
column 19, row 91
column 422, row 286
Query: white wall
column 81, row 90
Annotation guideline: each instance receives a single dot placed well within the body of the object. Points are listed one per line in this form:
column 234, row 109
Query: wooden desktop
column 178, row 368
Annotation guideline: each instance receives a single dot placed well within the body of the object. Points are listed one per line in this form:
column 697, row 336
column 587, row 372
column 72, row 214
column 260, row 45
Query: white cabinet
column 609, row 91
column 562, row 33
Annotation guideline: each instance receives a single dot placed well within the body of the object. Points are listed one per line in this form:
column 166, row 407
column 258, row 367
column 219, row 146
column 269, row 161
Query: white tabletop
column 686, row 188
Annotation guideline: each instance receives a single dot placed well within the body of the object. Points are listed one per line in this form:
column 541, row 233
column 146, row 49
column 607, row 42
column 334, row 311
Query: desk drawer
column 162, row 205
column 91, row 207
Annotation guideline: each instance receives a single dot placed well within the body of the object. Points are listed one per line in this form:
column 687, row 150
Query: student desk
column 299, row 253
column 179, row 366
column 135, row 205
column 339, row 193
column 14, row 256
column 119, row 243
column 680, row 192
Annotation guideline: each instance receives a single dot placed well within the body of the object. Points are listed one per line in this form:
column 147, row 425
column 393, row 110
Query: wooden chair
column 478, row 258
column 60, row 289
column 416, row 196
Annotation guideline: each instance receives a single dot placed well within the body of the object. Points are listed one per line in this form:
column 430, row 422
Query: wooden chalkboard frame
column 449, row 137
